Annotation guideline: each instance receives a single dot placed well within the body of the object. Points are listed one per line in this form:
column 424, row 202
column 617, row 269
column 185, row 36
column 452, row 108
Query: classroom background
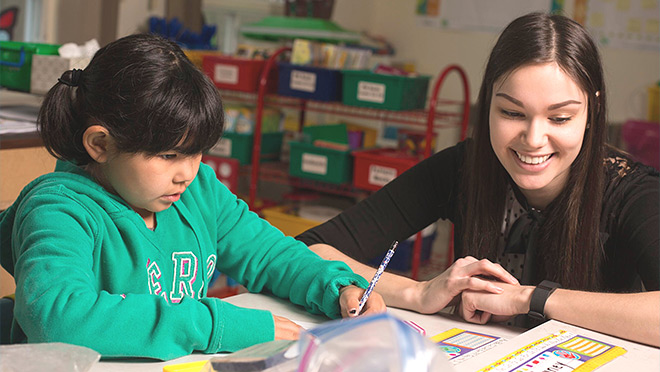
column 354, row 98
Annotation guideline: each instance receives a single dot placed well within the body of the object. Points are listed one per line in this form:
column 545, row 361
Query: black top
column 428, row 192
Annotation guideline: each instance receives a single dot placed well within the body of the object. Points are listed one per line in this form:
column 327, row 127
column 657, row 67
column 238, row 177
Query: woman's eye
column 560, row 120
column 512, row 114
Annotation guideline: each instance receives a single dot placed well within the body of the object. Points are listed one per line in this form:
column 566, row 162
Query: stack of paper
column 18, row 119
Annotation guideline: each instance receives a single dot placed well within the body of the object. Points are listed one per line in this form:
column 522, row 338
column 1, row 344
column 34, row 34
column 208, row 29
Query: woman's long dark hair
column 569, row 245
column 144, row 91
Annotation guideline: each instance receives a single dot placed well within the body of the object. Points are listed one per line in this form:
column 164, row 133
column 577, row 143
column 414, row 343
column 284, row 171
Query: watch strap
column 539, row 297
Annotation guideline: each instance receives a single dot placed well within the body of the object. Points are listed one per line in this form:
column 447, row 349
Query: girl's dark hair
column 145, row 92
column 569, row 246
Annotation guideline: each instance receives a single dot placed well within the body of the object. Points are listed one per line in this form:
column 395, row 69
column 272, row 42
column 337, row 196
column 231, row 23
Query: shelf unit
column 432, row 119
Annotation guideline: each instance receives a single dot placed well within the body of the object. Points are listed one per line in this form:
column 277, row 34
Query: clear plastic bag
column 369, row 343
column 52, row 357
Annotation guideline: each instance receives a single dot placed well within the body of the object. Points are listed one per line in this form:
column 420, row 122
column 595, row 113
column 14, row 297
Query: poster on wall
column 478, row 15
column 428, row 13
column 632, row 24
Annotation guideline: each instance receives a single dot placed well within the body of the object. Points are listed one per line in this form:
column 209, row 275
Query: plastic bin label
column 301, row 80
column 313, row 163
column 226, row 74
column 380, row 176
column 222, row 148
column 371, row 92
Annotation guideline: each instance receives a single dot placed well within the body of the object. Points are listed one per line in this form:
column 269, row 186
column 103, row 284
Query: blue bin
column 308, row 82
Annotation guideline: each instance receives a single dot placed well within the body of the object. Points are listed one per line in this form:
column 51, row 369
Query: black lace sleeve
column 631, row 210
column 414, row 200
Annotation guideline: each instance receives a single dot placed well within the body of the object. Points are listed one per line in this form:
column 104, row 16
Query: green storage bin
column 239, row 146
column 16, row 62
column 320, row 163
column 382, row 91
column 336, row 133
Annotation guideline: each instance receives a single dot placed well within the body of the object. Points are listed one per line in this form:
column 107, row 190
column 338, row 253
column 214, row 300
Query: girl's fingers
column 374, row 305
column 349, row 301
column 285, row 329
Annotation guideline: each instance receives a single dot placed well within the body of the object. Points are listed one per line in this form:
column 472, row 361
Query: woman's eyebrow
column 562, row 104
column 508, row 97
column 551, row 107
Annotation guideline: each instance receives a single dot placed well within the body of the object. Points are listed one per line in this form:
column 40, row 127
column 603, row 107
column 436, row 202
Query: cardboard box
column 46, row 69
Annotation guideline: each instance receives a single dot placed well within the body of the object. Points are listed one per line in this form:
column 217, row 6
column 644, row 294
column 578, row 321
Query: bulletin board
column 478, row 15
column 630, row 24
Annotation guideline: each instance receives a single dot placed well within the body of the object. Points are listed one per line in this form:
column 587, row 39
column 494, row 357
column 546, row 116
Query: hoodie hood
column 66, row 175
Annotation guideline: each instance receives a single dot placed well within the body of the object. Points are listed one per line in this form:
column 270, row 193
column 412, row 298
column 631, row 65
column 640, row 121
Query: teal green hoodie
column 89, row 272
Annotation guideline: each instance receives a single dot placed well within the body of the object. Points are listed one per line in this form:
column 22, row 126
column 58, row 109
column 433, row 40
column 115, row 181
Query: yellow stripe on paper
column 584, row 346
column 446, row 334
column 598, row 361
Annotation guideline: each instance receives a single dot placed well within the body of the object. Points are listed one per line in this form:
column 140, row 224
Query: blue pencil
column 379, row 272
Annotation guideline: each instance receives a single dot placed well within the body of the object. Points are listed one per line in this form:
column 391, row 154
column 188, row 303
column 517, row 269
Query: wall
column 133, row 15
column 17, row 168
column 431, row 49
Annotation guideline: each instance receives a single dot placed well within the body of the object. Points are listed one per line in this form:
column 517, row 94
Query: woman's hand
column 465, row 274
column 481, row 307
column 285, row 329
column 349, row 301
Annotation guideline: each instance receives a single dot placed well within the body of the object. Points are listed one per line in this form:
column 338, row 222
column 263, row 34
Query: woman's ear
column 96, row 140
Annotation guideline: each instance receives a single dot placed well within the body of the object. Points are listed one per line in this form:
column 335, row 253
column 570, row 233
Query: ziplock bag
column 52, row 357
column 375, row 343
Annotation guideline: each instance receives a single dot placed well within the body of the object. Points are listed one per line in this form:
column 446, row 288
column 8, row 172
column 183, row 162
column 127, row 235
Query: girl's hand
column 349, row 301
column 465, row 274
column 285, row 329
column 481, row 307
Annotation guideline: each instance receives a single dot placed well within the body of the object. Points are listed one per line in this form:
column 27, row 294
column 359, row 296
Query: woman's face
column 538, row 117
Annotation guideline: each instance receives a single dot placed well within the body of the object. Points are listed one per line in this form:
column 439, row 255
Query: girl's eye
column 168, row 156
column 560, row 120
column 512, row 114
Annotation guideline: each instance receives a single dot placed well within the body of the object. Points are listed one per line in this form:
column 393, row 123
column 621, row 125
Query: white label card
column 313, row 163
column 222, row 148
column 301, row 80
column 226, row 74
column 380, row 176
column 371, row 92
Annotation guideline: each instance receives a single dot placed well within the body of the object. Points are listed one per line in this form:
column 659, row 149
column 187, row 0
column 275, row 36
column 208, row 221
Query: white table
column 638, row 358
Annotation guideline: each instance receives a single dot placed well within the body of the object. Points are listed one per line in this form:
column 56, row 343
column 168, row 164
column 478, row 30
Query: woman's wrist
column 524, row 299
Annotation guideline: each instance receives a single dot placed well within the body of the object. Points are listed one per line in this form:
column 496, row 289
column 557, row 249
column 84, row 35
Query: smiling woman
column 536, row 194
column 537, row 124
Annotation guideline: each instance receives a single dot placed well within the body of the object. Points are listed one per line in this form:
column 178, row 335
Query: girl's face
column 538, row 116
column 150, row 184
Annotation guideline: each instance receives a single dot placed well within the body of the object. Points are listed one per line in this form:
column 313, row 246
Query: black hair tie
column 73, row 79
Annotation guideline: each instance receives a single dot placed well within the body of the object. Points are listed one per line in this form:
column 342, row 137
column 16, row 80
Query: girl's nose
column 187, row 169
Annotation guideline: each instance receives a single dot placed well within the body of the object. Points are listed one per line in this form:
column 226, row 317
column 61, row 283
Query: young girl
column 536, row 190
column 115, row 249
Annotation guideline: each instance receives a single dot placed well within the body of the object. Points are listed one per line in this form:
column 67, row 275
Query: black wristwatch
column 539, row 297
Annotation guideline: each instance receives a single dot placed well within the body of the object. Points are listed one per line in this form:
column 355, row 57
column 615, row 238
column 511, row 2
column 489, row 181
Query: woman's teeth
column 533, row 159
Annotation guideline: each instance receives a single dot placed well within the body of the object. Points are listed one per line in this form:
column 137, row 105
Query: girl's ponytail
column 60, row 121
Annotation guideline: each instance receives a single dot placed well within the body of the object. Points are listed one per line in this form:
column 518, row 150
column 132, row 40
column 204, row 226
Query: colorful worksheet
column 460, row 344
column 558, row 352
